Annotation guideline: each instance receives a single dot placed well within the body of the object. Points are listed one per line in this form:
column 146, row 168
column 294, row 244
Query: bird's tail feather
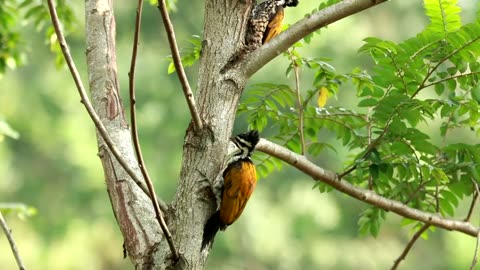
column 211, row 229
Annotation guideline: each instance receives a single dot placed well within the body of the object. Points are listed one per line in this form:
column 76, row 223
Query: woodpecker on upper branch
column 265, row 22
column 233, row 189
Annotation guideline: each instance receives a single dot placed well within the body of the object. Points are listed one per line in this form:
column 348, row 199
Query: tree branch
column 297, row 31
column 11, row 241
column 472, row 206
column 475, row 196
column 332, row 179
column 136, row 142
column 410, row 245
column 299, row 103
column 99, row 125
column 177, row 62
column 86, row 102
column 475, row 255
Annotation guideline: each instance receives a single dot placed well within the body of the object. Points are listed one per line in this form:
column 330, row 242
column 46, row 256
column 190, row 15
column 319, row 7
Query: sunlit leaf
column 322, row 97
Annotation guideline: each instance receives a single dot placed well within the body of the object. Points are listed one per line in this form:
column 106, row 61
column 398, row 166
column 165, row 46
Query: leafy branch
column 331, row 179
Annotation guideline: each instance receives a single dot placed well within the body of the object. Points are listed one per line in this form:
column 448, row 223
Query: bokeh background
column 53, row 165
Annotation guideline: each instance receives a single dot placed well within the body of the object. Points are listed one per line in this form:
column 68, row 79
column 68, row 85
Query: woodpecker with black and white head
column 234, row 187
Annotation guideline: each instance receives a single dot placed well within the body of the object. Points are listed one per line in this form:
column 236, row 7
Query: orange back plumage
column 274, row 26
column 240, row 179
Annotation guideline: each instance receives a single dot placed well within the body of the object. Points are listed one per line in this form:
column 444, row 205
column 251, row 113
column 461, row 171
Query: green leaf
column 450, row 197
column 400, row 148
column 25, row 3
column 20, row 209
column 370, row 221
column 35, row 11
column 475, row 92
column 444, row 15
column 374, row 171
column 315, row 148
column 446, row 208
column 7, row 130
column 171, row 68
column 439, row 176
column 369, row 102
column 375, row 156
column 439, row 88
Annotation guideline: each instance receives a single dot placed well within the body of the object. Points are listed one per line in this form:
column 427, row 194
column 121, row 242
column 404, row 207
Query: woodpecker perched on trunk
column 265, row 22
column 233, row 189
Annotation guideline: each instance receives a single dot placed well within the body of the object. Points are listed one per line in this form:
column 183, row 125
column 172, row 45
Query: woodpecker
column 265, row 22
column 234, row 187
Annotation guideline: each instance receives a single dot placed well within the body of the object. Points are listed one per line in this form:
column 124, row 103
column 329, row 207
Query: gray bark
column 132, row 208
column 204, row 151
column 217, row 101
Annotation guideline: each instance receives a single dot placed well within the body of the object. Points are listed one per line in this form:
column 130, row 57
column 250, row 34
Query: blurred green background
column 53, row 165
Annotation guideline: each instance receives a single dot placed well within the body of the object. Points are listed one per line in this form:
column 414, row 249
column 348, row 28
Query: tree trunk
column 203, row 155
column 204, row 151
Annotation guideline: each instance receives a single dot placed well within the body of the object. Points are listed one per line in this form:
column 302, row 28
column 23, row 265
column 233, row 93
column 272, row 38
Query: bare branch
column 410, row 245
column 332, row 179
column 95, row 118
column 475, row 196
column 299, row 103
column 309, row 24
column 86, row 102
column 11, row 241
column 369, row 134
column 475, row 256
column 136, row 142
column 472, row 206
column 177, row 61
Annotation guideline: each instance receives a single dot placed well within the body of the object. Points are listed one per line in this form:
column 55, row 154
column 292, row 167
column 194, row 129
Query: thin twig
column 437, row 199
column 369, row 134
column 136, row 142
column 299, row 103
column 371, row 146
column 414, row 194
column 476, row 192
column 409, row 246
column 91, row 111
column 11, row 241
column 475, row 256
column 423, row 84
column 88, row 105
column 452, row 78
column 472, row 206
column 177, row 62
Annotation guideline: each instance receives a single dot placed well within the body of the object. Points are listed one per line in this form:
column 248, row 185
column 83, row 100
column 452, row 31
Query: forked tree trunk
column 204, row 151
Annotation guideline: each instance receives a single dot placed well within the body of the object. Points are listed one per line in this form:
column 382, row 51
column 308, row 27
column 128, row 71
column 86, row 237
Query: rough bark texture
column 225, row 26
column 132, row 208
column 204, row 150
column 217, row 101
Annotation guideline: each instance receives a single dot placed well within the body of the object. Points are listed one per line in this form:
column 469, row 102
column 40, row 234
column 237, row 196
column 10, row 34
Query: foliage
column 7, row 130
column 171, row 4
column 190, row 55
column 14, row 14
column 21, row 210
column 397, row 150
column 53, row 167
